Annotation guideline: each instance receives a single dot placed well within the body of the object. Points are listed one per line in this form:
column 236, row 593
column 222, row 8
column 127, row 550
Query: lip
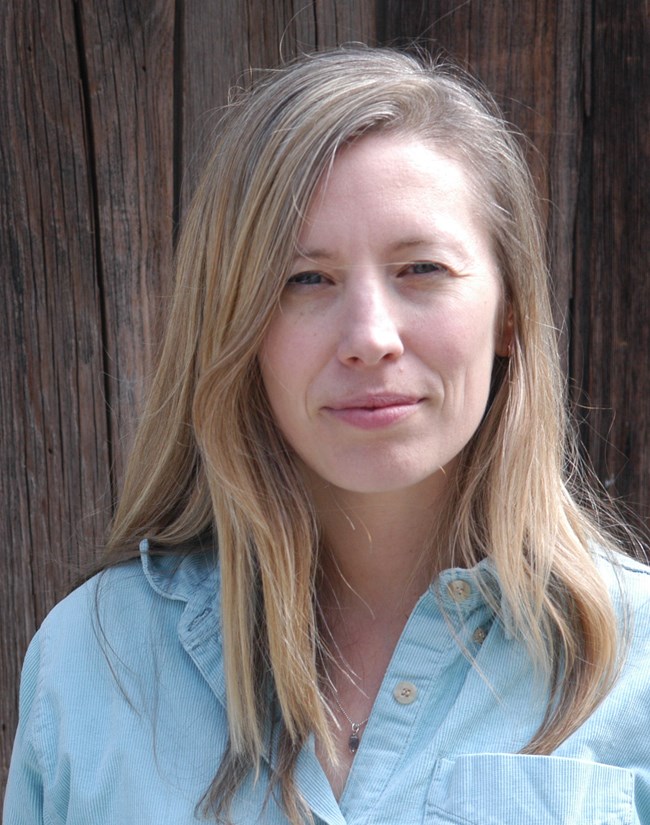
column 373, row 411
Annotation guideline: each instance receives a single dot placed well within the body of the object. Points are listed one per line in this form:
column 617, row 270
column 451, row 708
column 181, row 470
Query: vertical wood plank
column 128, row 59
column 87, row 242
column 611, row 335
column 55, row 481
column 213, row 55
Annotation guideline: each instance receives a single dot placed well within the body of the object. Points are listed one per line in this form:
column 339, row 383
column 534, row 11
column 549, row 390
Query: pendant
column 353, row 741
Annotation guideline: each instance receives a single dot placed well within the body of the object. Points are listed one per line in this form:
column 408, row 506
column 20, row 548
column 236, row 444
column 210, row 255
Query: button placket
column 422, row 653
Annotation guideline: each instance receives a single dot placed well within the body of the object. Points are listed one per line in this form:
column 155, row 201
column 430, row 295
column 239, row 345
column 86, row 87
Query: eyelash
column 308, row 278
column 302, row 278
column 430, row 267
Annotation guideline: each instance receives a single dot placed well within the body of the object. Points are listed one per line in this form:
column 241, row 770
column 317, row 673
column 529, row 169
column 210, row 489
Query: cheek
column 461, row 338
column 284, row 359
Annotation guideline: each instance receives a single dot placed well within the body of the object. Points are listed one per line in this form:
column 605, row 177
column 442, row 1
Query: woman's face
column 377, row 363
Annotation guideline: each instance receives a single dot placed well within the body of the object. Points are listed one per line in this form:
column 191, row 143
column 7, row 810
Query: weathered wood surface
column 106, row 111
column 611, row 307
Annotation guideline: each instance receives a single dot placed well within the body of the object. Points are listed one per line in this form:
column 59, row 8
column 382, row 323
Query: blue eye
column 306, row 278
column 425, row 267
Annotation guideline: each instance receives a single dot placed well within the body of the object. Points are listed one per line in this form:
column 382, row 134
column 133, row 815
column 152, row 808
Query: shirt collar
column 195, row 579
column 181, row 577
column 460, row 591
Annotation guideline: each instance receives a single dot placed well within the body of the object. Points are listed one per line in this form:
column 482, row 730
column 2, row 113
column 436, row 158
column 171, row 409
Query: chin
column 381, row 481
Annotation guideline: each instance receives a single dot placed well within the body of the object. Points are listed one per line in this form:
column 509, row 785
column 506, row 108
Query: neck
column 379, row 557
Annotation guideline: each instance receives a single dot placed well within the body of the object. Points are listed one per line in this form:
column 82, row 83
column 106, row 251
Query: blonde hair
column 209, row 460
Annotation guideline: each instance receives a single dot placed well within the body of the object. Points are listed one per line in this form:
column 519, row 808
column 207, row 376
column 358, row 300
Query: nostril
column 370, row 351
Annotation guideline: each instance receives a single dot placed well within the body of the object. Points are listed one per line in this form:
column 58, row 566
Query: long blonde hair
column 209, row 460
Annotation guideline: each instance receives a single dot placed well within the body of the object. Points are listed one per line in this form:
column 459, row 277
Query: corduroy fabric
column 122, row 716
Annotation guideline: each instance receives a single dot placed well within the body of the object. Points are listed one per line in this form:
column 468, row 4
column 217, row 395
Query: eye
column 423, row 268
column 306, row 279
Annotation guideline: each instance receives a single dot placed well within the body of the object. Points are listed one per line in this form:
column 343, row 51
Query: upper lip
column 371, row 401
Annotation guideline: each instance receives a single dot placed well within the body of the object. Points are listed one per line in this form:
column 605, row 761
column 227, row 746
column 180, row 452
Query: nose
column 369, row 325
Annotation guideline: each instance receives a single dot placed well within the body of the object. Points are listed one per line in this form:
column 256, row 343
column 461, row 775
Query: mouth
column 374, row 402
column 370, row 412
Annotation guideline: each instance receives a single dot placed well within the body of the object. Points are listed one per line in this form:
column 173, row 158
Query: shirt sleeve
column 23, row 803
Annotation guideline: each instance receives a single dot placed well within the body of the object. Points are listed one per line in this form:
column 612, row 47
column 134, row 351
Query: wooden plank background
column 106, row 110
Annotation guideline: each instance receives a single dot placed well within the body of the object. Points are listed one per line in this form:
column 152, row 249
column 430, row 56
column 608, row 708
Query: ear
column 505, row 332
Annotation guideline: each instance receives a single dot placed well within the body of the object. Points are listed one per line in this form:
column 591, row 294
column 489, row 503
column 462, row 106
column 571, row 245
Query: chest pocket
column 509, row 789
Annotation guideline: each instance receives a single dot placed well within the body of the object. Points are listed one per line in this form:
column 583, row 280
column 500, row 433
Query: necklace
column 354, row 738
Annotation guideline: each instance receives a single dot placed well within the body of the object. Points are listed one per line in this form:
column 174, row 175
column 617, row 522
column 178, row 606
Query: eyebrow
column 313, row 254
column 399, row 246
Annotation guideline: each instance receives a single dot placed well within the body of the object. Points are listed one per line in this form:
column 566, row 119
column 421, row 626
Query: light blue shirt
column 122, row 715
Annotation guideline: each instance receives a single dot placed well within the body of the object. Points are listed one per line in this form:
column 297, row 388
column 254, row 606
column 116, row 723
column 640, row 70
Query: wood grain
column 611, row 309
column 55, row 481
column 126, row 51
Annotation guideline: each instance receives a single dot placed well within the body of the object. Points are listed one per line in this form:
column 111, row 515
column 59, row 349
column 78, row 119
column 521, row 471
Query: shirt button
column 479, row 635
column 459, row 590
column 405, row 693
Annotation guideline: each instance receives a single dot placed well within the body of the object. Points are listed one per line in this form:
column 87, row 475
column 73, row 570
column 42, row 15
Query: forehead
column 399, row 184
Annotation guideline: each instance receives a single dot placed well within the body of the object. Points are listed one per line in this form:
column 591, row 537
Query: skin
column 377, row 367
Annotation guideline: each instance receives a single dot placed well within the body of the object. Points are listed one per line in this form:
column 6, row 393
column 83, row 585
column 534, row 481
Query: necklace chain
column 353, row 738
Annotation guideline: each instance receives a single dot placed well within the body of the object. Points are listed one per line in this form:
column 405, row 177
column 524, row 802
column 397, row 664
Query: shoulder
column 635, row 572
column 116, row 589
column 628, row 584
column 65, row 683
column 616, row 733
column 125, row 604
column 112, row 664
column 93, row 644
column 107, row 637
column 627, row 580
column 111, row 611
column 118, row 620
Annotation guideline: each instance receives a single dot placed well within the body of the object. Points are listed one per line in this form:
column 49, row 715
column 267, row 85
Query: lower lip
column 373, row 419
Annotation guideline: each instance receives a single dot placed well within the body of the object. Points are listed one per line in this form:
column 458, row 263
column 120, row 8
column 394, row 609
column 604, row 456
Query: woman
column 367, row 590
